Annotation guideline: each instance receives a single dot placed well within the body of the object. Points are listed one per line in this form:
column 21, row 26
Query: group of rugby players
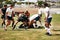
column 24, row 17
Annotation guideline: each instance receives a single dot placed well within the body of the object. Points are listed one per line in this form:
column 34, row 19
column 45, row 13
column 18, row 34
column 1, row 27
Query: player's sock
column 48, row 31
column 2, row 24
column 12, row 24
column 5, row 28
column 34, row 25
column 14, row 27
column 25, row 26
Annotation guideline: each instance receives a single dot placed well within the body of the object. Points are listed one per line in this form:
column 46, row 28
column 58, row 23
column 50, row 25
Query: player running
column 3, row 10
column 9, row 16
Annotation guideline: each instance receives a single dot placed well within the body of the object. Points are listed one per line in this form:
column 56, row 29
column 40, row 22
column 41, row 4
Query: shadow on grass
column 40, row 27
column 55, row 30
column 20, row 29
column 55, row 34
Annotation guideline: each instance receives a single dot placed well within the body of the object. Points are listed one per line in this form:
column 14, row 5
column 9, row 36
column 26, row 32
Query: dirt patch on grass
column 31, row 10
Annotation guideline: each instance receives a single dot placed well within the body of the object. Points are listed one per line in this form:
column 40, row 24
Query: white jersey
column 9, row 10
column 33, row 17
column 40, row 10
column 47, row 11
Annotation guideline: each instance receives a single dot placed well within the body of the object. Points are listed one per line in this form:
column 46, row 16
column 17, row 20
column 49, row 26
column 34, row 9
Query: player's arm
column 40, row 12
column 6, row 13
column 28, row 14
column 46, row 15
column 13, row 14
column 1, row 11
column 19, row 15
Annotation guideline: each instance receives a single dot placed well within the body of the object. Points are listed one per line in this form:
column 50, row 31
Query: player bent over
column 33, row 20
column 24, row 18
column 37, row 17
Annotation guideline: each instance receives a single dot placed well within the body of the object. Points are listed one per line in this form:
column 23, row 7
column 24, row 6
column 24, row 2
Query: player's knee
column 15, row 23
column 8, row 22
column 46, row 24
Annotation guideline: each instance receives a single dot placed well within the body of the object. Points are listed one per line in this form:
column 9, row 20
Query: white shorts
column 33, row 17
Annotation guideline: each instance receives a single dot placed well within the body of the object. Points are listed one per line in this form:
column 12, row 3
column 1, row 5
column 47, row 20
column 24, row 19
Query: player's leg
column 7, row 24
column 12, row 22
column 40, row 21
column 35, row 21
column 47, row 28
column 3, row 20
column 47, row 23
column 15, row 25
column 31, row 24
column 25, row 24
column 35, row 24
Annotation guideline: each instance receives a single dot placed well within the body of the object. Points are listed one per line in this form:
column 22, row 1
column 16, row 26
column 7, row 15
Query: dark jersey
column 23, row 18
column 3, row 10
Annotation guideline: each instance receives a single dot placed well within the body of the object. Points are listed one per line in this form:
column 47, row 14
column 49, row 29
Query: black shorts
column 3, row 16
column 20, row 19
column 9, row 18
column 37, row 18
column 49, row 20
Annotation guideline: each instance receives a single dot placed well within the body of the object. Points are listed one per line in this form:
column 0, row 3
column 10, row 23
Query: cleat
column 48, row 34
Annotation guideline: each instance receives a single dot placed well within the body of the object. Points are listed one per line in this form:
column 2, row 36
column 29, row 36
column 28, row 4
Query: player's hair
column 46, row 5
column 11, row 5
column 5, row 5
column 26, row 12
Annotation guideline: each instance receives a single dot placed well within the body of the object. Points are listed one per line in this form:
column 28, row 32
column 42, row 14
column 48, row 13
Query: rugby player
column 3, row 10
column 48, row 18
column 9, row 16
column 24, row 18
column 36, row 17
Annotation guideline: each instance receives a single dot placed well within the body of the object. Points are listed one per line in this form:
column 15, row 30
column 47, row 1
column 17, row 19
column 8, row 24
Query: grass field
column 32, row 34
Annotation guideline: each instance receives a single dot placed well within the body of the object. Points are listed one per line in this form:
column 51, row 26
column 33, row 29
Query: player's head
column 46, row 5
column 11, row 6
column 26, row 12
column 5, row 6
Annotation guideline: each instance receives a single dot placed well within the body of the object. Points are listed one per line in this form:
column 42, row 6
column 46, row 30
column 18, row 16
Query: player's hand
column 45, row 18
column 1, row 13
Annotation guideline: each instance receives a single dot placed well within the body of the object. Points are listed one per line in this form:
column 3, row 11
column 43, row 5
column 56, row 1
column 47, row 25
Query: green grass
column 56, row 21
column 32, row 34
